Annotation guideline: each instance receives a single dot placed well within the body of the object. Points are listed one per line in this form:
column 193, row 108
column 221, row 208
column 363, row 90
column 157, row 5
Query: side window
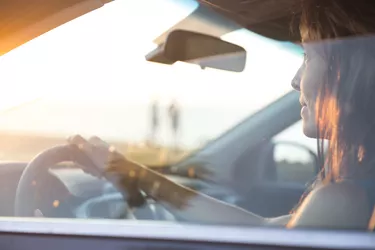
column 294, row 156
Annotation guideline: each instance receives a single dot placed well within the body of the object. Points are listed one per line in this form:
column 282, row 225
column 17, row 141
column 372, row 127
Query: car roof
column 269, row 18
column 23, row 20
column 276, row 19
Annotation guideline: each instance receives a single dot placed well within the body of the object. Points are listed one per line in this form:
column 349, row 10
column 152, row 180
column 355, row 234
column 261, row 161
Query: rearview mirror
column 204, row 50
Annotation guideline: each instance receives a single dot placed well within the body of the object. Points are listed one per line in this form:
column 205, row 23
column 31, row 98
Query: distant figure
column 174, row 116
column 154, row 121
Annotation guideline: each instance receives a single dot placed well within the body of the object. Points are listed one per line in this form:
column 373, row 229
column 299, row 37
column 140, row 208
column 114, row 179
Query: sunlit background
column 90, row 77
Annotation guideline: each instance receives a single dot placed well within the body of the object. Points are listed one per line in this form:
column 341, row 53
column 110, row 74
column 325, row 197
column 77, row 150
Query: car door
column 286, row 166
column 93, row 234
column 274, row 175
column 264, row 165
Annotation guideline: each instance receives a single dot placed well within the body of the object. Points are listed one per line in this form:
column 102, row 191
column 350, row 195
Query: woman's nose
column 296, row 82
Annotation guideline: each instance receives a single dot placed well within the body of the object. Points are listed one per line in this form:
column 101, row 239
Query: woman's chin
column 309, row 130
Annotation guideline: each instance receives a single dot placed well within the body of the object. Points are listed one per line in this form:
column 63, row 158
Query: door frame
column 173, row 232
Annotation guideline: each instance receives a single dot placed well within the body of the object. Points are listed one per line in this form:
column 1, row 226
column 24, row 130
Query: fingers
column 87, row 145
column 82, row 142
column 104, row 157
column 77, row 140
column 95, row 148
column 100, row 143
column 98, row 155
column 97, row 141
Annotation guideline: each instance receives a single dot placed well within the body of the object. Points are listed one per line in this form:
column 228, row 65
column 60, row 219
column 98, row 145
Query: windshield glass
column 90, row 77
column 90, row 129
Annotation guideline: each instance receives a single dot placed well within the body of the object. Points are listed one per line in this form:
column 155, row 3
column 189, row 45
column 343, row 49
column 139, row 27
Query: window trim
column 189, row 233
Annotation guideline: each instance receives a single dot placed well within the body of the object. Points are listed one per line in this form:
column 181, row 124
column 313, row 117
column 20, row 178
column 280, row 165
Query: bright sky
column 99, row 59
column 104, row 50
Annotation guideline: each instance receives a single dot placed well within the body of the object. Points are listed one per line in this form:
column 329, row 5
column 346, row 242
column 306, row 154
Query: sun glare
column 98, row 60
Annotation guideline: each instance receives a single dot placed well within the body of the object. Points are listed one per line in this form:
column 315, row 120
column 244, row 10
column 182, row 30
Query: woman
column 337, row 84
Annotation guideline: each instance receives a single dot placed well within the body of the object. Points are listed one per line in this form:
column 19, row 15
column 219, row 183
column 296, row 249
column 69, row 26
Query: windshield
column 90, row 129
column 90, row 77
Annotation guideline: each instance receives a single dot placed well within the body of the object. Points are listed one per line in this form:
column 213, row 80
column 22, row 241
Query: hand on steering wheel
column 135, row 182
column 96, row 150
column 109, row 163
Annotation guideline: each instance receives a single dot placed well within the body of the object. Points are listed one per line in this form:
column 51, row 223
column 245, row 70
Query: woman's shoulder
column 342, row 193
column 369, row 187
column 342, row 205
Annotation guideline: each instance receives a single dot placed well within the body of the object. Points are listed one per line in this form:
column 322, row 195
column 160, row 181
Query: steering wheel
column 25, row 201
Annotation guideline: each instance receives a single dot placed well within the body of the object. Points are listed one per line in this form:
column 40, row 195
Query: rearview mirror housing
column 200, row 49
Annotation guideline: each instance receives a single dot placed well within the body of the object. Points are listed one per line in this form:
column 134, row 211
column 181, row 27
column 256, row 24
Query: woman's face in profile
column 307, row 81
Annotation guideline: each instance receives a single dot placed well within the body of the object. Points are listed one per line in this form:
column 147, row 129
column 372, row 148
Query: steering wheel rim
column 25, row 204
column 27, row 185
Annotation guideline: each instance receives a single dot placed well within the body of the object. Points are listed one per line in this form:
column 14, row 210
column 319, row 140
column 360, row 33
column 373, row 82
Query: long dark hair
column 340, row 31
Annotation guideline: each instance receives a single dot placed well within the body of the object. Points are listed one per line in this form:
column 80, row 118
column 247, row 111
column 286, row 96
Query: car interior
column 61, row 189
column 256, row 187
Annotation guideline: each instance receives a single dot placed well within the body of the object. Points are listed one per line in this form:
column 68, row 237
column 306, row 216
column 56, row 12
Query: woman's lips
column 304, row 109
